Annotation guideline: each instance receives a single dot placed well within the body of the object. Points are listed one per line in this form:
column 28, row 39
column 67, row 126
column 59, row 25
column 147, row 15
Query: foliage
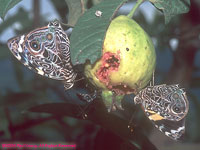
column 75, row 13
column 171, row 8
column 88, row 34
column 6, row 5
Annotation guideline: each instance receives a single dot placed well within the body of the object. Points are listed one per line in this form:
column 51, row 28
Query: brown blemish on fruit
column 122, row 89
column 110, row 62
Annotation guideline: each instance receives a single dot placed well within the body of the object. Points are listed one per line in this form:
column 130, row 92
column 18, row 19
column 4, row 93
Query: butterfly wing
column 166, row 106
column 172, row 129
column 46, row 51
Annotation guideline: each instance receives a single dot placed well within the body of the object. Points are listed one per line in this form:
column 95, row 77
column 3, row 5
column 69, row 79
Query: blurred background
column 178, row 62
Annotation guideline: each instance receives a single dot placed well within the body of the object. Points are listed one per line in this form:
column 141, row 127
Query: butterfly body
column 46, row 51
column 166, row 106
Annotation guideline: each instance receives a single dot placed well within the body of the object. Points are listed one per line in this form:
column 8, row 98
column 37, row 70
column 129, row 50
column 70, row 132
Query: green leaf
column 6, row 5
column 76, row 9
column 171, row 8
column 95, row 2
column 88, row 34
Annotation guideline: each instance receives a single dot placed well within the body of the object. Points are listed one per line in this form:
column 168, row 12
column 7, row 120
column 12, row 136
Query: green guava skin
column 107, row 97
column 137, row 58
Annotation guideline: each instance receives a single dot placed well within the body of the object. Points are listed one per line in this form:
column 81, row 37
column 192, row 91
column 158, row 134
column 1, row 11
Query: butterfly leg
column 133, row 119
column 88, row 98
column 69, row 83
column 130, row 124
column 133, row 122
column 82, row 113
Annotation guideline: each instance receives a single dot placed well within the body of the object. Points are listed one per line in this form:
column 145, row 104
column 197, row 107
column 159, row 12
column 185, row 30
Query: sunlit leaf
column 88, row 35
column 171, row 8
column 76, row 9
column 95, row 2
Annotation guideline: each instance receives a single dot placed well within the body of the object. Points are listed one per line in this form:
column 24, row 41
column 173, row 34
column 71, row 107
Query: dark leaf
column 61, row 8
column 98, row 114
column 21, row 17
column 5, row 5
column 76, row 9
column 16, row 98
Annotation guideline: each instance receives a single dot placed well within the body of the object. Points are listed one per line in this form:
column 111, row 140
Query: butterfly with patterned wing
column 166, row 106
column 46, row 51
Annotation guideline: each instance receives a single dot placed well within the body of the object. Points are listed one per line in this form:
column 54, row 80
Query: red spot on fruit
column 110, row 62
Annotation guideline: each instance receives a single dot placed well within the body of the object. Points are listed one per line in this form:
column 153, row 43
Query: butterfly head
column 54, row 23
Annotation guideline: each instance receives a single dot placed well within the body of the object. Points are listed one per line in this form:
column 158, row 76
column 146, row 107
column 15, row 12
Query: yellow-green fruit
column 128, row 58
column 110, row 100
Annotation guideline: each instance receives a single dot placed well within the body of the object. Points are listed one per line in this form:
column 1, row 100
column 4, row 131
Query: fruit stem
column 138, row 3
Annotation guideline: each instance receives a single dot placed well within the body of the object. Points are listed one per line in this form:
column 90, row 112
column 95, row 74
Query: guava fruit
column 128, row 58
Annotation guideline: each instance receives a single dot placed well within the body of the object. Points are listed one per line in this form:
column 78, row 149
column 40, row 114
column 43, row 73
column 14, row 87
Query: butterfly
column 46, row 51
column 166, row 106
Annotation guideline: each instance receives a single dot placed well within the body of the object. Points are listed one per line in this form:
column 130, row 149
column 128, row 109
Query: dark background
column 178, row 61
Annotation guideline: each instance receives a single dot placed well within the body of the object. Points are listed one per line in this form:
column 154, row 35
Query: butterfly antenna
column 152, row 81
column 153, row 78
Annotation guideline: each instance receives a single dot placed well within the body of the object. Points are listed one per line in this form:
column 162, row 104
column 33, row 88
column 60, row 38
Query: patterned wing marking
column 166, row 106
column 46, row 51
column 174, row 130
